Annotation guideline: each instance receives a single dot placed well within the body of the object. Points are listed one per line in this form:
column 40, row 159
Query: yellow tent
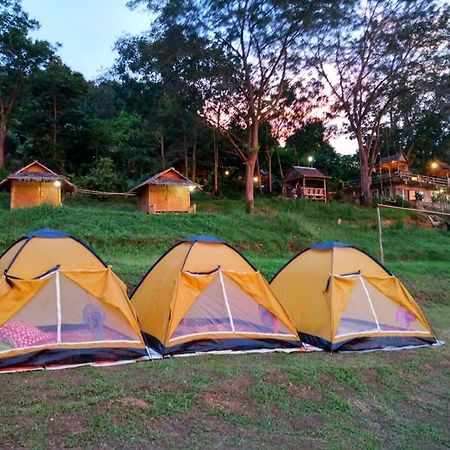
column 203, row 295
column 341, row 298
column 61, row 305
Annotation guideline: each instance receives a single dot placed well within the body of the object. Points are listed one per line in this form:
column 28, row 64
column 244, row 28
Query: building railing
column 406, row 177
column 313, row 193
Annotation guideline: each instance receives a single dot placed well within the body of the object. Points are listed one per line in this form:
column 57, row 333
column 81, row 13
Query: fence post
column 380, row 237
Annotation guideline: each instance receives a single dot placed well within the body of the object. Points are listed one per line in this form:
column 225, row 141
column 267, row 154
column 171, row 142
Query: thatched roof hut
column 305, row 182
column 34, row 185
column 166, row 191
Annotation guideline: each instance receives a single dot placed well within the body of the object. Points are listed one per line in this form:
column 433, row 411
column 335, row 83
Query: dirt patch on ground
column 295, row 248
column 232, row 384
column 388, row 223
column 421, row 221
column 224, row 401
column 363, row 406
column 133, row 402
column 253, row 246
column 371, row 378
column 202, row 430
column 304, row 392
column 228, row 395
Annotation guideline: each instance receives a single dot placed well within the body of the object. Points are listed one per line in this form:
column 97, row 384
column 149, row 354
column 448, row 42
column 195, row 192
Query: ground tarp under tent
column 340, row 298
column 204, row 296
column 60, row 305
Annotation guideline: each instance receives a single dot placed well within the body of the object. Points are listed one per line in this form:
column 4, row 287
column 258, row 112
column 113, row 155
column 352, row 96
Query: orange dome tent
column 342, row 298
column 203, row 295
column 61, row 305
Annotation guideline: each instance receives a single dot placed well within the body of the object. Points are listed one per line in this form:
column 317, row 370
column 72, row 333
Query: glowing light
column 191, row 188
column 255, row 179
column 227, row 172
column 310, row 159
column 57, row 183
column 434, row 165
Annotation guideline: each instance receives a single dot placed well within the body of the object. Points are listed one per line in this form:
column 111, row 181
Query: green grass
column 353, row 401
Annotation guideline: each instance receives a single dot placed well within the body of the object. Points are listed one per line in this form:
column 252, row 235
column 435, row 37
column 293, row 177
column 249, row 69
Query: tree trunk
column 216, row 164
column 186, row 167
column 194, row 154
column 3, row 134
column 162, row 149
column 280, row 166
column 55, row 113
column 269, row 168
column 250, row 165
column 258, row 175
column 366, row 179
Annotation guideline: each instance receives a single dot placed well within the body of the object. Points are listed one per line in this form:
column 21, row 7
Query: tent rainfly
column 340, row 298
column 167, row 191
column 203, row 295
column 60, row 306
column 34, row 185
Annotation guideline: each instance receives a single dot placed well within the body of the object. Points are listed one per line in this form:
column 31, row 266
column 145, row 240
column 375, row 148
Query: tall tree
column 419, row 123
column 54, row 114
column 260, row 39
column 384, row 51
column 19, row 56
column 173, row 63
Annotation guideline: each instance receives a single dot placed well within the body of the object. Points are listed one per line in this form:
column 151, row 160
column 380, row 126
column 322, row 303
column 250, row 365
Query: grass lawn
column 362, row 401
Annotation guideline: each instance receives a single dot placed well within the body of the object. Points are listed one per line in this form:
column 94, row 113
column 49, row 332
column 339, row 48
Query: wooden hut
column 167, row 191
column 34, row 185
column 393, row 178
column 305, row 182
column 394, row 163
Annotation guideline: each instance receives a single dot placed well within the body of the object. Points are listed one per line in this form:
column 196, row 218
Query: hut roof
column 299, row 172
column 168, row 177
column 36, row 172
column 443, row 165
column 397, row 159
column 439, row 169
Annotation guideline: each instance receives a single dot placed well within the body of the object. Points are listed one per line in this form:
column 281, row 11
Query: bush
column 103, row 177
column 3, row 174
column 439, row 198
column 400, row 201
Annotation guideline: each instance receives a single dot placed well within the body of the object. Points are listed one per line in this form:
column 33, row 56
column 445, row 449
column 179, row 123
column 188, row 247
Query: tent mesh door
column 223, row 307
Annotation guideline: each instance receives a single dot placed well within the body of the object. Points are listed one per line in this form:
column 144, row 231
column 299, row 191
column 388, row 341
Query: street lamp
column 310, row 161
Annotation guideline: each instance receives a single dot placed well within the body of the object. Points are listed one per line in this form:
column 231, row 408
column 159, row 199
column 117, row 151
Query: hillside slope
column 375, row 400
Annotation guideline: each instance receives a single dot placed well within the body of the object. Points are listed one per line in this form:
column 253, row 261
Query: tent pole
column 380, row 236
column 58, row 307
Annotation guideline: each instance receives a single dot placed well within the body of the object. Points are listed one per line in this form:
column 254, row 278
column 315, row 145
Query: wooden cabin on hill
column 392, row 178
column 34, row 185
column 167, row 191
column 305, row 182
